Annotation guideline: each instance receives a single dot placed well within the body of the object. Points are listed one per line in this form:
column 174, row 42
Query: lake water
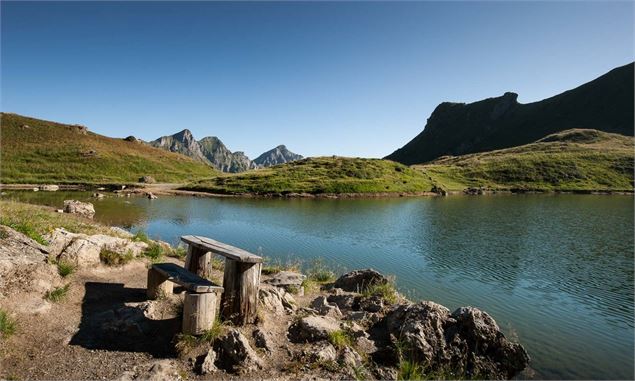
column 556, row 271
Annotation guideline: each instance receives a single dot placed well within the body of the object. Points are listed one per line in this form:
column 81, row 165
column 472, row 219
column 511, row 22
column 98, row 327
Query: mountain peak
column 275, row 156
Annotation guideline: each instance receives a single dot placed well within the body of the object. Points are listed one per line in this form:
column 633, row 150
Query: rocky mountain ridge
column 604, row 104
column 213, row 152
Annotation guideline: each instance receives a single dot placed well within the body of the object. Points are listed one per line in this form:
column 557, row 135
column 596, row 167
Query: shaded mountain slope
column 604, row 104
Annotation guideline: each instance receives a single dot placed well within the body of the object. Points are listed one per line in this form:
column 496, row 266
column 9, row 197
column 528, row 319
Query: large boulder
column 235, row 354
column 467, row 342
column 23, row 264
column 312, row 328
column 84, row 209
column 358, row 280
column 84, row 250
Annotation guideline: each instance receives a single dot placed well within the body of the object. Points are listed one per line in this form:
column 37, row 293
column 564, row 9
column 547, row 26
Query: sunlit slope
column 575, row 160
column 39, row 151
column 322, row 175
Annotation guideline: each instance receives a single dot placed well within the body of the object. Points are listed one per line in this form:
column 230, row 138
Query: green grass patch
column 178, row 252
column 141, row 236
column 65, row 268
column 409, row 370
column 41, row 220
column 57, row 294
column 112, row 258
column 7, row 324
column 319, row 272
column 25, row 228
column 154, row 252
column 340, row 339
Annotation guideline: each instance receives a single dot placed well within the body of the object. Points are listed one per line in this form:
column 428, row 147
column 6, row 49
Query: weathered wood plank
column 220, row 248
column 181, row 276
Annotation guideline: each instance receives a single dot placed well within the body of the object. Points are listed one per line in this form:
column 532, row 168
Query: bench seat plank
column 181, row 276
column 220, row 248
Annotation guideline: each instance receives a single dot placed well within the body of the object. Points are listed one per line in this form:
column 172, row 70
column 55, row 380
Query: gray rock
column 358, row 280
column 207, row 365
column 160, row 371
column 147, row 180
column 349, row 358
column 50, row 188
column 345, row 301
column 371, row 304
column 323, row 352
column 312, row 328
column 235, row 354
column 323, row 307
column 98, row 195
column 262, row 340
column 286, row 279
column 151, row 196
column 84, row 209
column 276, row 300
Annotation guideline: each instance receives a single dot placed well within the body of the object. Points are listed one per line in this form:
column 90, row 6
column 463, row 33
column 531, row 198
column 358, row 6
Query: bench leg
column 158, row 284
column 199, row 312
column 240, row 294
column 198, row 262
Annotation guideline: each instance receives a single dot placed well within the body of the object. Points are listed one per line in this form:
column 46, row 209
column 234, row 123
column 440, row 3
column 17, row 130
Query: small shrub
column 7, row 325
column 65, row 268
column 141, row 236
column 57, row 294
column 154, row 252
column 340, row 339
column 112, row 258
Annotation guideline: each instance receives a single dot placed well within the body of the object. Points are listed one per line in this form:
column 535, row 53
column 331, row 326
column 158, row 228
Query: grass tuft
column 386, row 291
column 25, row 228
column 340, row 339
column 112, row 258
column 409, row 370
column 320, row 272
column 141, row 236
column 7, row 324
column 65, row 268
column 155, row 252
column 57, row 294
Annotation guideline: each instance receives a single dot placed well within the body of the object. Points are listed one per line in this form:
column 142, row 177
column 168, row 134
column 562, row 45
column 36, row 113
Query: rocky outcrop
column 275, row 156
column 84, row 209
column 288, row 280
column 359, row 280
column 235, row 354
column 324, row 308
column 84, row 250
column 466, row 342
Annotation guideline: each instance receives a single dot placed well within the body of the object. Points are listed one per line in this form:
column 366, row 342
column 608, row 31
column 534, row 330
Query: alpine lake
column 555, row 271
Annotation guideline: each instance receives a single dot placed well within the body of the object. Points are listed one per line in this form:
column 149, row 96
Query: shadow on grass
column 109, row 324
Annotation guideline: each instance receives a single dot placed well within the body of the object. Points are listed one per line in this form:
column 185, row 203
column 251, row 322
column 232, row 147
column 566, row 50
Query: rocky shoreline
column 309, row 326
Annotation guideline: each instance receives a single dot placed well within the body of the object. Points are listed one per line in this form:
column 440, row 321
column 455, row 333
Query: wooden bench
column 199, row 305
column 241, row 278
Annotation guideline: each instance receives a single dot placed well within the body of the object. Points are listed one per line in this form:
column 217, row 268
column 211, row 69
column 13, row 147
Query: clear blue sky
column 352, row 79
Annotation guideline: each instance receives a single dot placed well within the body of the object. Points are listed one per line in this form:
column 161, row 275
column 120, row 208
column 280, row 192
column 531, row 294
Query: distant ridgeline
column 211, row 150
column 604, row 104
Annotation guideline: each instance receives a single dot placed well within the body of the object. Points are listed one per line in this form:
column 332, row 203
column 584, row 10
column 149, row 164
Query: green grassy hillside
column 572, row 160
column 38, row 151
column 321, row 175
